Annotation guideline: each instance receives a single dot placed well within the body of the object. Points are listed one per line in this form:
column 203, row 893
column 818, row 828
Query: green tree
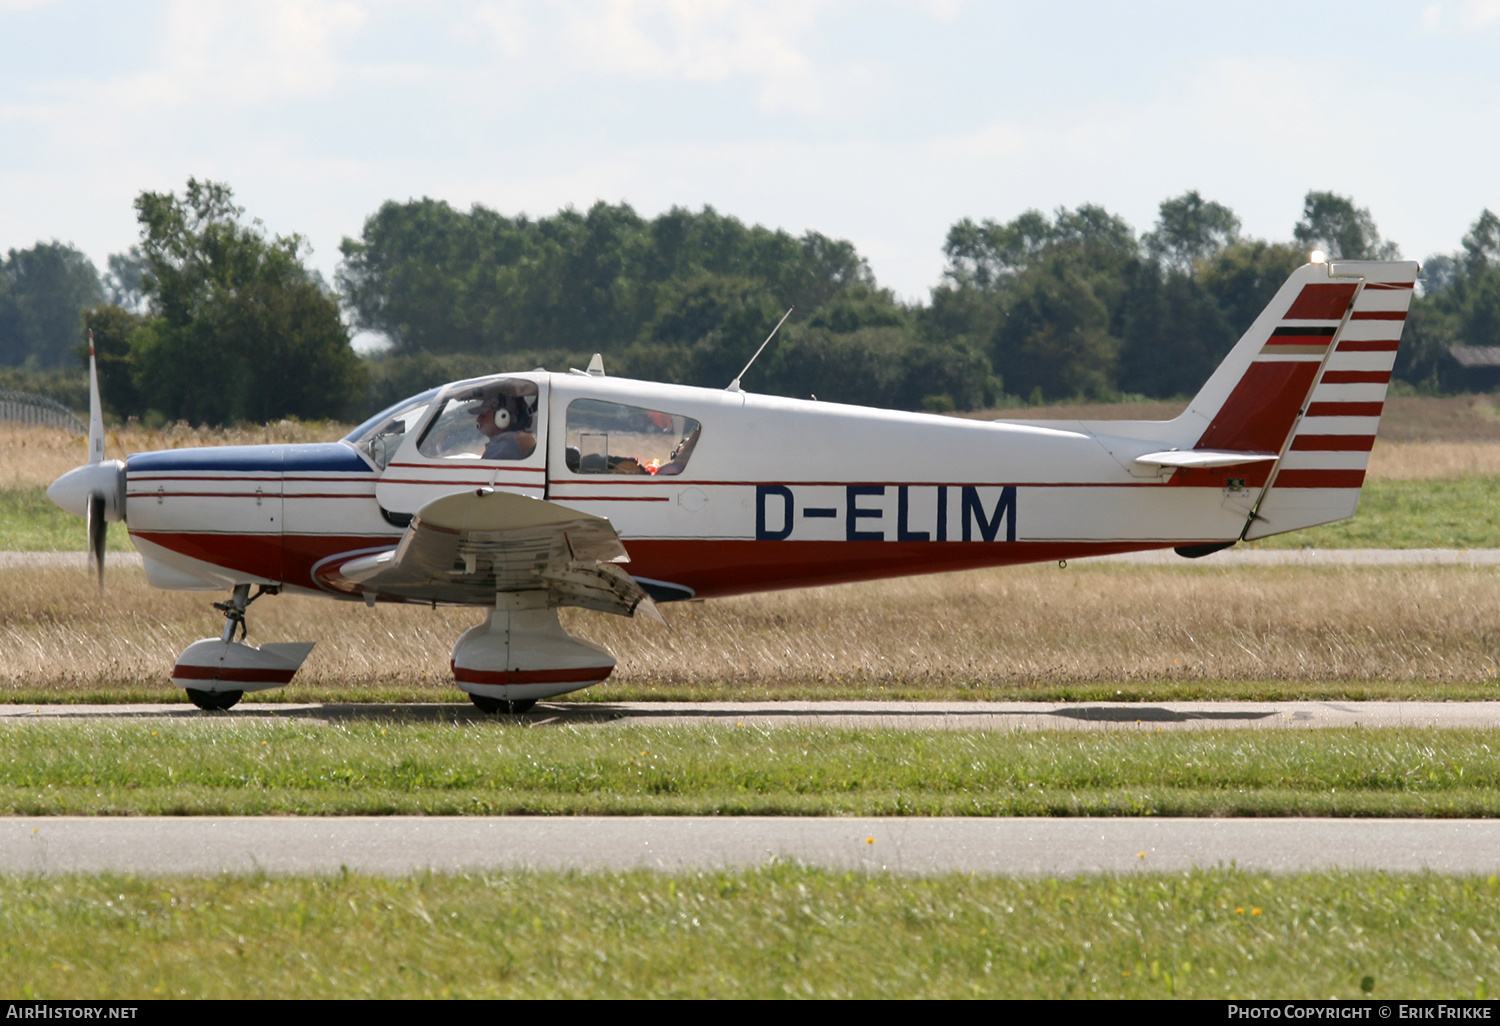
column 1245, row 277
column 1458, row 305
column 1055, row 337
column 43, row 293
column 1189, row 230
column 438, row 280
column 113, row 327
column 1173, row 332
column 123, row 282
column 1482, row 243
column 239, row 328
column 1335, row 225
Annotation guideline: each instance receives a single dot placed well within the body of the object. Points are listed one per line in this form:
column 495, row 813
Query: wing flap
column 468, row 546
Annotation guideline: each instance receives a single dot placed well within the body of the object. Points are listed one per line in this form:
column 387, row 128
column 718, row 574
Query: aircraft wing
column 466, row 547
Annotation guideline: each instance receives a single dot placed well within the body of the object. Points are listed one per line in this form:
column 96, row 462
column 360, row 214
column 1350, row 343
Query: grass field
column 781, row 931
column 389, row 767
column 1091, row 631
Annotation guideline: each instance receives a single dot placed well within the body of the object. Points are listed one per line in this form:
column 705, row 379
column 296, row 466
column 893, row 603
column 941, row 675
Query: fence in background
column 29, row 408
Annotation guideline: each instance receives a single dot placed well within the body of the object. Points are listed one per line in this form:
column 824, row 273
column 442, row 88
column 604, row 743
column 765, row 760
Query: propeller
column 96, row 490
column 98, row 527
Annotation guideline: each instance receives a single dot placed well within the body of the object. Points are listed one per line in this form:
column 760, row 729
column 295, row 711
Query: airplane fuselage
column 776, row 493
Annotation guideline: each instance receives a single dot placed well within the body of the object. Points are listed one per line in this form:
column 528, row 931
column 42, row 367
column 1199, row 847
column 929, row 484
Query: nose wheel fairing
column 214, row 664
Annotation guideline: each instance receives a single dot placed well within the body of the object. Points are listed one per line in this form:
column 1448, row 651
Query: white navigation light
column 1317, row 256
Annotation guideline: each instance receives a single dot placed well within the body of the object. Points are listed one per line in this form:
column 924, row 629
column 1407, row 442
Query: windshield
column 381, row 435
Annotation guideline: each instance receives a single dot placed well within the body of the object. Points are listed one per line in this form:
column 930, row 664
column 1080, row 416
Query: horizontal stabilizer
column 1204, row 458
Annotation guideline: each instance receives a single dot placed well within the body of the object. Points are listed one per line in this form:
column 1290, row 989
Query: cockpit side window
column 493, row 421
column 381, row 435
column 611, row 438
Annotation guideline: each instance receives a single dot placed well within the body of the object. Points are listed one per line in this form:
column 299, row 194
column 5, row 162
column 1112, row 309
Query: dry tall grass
column 1407, row 461
column 30, row 456
column 998, row 630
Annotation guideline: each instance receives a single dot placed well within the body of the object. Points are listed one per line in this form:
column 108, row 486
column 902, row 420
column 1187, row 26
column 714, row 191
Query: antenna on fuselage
column 734, row 386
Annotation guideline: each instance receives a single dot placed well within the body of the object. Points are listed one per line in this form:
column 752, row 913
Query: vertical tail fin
column 1323, row 461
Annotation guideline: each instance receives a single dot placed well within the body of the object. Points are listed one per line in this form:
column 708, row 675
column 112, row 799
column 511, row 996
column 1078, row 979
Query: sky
column 879, row 121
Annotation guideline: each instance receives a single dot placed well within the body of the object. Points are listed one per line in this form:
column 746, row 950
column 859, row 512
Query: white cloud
column 700, row 42
column 1473, row 15
column 1481, row 14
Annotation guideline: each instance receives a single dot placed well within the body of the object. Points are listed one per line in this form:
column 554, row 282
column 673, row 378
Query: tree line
column 211, row 319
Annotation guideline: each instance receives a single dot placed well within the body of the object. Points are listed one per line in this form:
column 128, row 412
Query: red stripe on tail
column 1259, row 413
column 1332, row 443
column 1334, row 377
column 1320, row 479
column 1338, row 409
column 1321, row 302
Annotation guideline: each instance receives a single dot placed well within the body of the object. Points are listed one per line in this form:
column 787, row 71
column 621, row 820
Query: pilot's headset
column 512, row 413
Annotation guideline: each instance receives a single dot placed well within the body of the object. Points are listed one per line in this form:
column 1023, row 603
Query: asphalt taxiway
column 1006, row 716
column 398, row 845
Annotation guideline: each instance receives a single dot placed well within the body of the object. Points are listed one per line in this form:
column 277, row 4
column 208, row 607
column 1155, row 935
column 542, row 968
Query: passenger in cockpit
column 677, row 462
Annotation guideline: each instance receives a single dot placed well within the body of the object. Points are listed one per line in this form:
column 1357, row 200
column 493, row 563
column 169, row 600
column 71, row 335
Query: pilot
column 506, row 421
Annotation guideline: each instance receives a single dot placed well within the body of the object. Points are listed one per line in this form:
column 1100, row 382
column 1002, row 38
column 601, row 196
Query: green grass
column 781, row 931
column 485, row 768
column 29, row 522
column 1461, row 513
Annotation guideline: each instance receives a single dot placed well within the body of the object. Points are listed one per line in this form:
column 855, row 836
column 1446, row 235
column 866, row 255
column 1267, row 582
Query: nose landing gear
column 216, row 672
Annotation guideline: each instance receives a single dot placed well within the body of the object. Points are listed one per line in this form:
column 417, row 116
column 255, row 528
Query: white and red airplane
column 521, row 493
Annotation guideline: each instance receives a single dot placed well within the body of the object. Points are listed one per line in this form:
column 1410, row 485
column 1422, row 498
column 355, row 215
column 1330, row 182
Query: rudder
column 1323, row 462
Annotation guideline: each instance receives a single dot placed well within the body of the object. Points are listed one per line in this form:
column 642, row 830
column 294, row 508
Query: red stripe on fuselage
column 503, row 470
column 718, row 568
column 709, row 567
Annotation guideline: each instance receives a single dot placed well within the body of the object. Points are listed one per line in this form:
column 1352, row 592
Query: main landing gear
column 512, row 707
column 216, row 672
column 521, row 653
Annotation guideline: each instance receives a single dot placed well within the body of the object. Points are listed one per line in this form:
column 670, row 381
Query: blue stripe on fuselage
column 316, row 457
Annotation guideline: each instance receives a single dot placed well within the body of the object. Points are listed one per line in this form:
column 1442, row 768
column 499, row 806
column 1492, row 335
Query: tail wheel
column 513, row 707
column 214, row 700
